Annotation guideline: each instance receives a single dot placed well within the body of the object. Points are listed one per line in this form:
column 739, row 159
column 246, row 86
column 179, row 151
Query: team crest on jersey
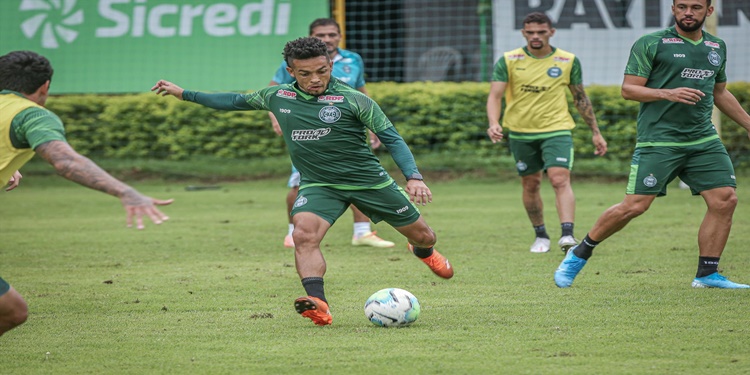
column 714, row 58
column 672, row 41
column 650, row 181
column 309, row 134
column 331, row 98
column 711, row 44
column 690, row 73
column 329, row 114
column 301, row 201
column 286, row 94
column 554, row 72
column 347, row 69
column 521, row 166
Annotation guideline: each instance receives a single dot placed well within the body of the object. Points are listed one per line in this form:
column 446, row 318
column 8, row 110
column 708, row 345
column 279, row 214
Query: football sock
column 707, row 266
column 567, row 229
column 360, row 229
column 585, row 248
column 422, row 252
column 291, row 229
column 314, row 287
column 541, row 231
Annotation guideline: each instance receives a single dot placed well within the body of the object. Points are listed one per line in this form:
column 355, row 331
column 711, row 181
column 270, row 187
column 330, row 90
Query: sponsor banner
column 601, row 32
column 124, row 46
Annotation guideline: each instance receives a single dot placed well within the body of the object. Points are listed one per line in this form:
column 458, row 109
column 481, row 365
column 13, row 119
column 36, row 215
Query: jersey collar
column 526, row 50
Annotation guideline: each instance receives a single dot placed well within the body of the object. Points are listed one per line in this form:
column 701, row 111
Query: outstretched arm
column 82, row 170
column 586, row 110
column 728, row 104
column 226, row 101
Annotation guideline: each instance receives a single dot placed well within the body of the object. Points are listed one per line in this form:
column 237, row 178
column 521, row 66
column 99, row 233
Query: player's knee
column 16, row 313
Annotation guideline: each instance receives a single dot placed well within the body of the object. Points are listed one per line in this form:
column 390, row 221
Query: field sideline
column 211, row 290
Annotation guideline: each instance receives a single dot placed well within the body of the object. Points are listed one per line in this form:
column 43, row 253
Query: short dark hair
column 538, row 17
column 708, row 3
column 304, row 48
column 24, row 71
column 324, row 22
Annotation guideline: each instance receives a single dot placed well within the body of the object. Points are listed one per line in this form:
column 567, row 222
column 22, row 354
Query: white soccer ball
column 392, row 307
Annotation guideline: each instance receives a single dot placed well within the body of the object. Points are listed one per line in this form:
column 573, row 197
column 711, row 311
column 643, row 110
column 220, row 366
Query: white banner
column 601, row 32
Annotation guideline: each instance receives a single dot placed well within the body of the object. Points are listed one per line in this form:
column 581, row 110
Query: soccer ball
column 392, row 307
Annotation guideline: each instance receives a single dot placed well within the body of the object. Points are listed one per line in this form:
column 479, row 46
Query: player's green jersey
column 535, row 95
column 326, row 134
column 670, row 61
column 24, row 125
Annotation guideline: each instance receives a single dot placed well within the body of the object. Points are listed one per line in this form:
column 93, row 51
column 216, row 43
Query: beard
column 697, row 25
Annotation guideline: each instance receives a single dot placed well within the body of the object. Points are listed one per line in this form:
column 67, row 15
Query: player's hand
column 14, row 181
column 600, row 144
column 374, row 141
column 137, row 206
column 418, row 192
column 165, row 88
column 276, row 126
column 495, row 131
column 685, row 95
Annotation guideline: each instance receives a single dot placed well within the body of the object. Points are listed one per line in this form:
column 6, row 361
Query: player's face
column 689, row 15
column 537, row 35
column 329, row 35
column 312, row 74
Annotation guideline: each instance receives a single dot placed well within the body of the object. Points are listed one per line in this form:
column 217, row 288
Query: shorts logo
column 521, row 166
column 329, row 114
column 554, row 72
column 690, row 73
column 286, row 94
column 564, row 160
column 402, row 210
column 301, row 201
column 732, row 177
column 714, row 58
column 310, row 135
column 650, row 181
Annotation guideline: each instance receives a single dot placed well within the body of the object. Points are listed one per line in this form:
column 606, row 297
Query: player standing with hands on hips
column 540, row 124
column 323, row 121
column 349, row 68
column 678, row 75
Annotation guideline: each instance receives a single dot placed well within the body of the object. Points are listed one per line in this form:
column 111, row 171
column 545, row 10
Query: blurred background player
column 26, row 129
column 540, row 124
column 349, row 68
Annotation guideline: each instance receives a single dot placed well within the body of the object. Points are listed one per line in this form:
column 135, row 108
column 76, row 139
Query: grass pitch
column 211, row 290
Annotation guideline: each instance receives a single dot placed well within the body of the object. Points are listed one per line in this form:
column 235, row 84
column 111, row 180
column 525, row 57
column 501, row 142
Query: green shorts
column 390, row 203
column 536, row 152
column 4, row 286
column 702, row 166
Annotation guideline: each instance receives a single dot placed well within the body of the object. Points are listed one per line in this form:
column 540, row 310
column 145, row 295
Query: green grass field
column 211, row 290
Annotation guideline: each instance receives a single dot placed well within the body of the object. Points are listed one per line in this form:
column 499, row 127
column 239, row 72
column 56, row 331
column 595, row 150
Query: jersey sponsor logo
column 521, row 166
column 650, row 181
column 329, row 114
column 711, row 44
column 561, row 59
column 691, row 73
column 309, row 134
column 534, row 89
column 714, row 58
column 516, row 56
column 301, row 201
column 331, row 98
column 672, row 41
column 554, row 72
column 286, row 94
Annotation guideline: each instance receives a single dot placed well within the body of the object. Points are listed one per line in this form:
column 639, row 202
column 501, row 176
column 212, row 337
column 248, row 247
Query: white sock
column 360, row 229
column 291, row 229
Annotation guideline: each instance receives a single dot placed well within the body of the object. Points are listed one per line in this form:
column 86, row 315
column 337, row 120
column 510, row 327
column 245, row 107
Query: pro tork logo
column 51, row 21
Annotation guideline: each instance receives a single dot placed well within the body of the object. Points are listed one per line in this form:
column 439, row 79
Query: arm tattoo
column 583, row 104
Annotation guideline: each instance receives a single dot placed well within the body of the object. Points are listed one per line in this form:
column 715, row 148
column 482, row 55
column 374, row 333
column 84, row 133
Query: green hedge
column 432, row 117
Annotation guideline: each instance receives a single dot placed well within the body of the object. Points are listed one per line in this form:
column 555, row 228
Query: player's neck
column 692, row 35
column 541, row 52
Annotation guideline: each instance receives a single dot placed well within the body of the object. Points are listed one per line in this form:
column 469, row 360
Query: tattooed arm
column 586, row 110
column 80, row 169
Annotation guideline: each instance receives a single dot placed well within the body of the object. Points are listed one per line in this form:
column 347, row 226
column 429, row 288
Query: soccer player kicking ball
column 323, row 121
column 677, row 74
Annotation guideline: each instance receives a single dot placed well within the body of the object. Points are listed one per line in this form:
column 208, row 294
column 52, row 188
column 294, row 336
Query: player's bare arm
column 634, row 88
column 165, row 88
column 586, row 110
column 494, row 108
column 82, row 170
column 728, row 104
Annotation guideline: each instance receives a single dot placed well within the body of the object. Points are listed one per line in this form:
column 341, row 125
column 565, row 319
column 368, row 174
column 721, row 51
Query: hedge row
column 443, row 117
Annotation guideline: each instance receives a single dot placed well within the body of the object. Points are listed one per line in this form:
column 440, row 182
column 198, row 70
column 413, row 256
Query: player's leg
column 315, row 210
column 291, row 196
column 363, row 234
column 529, row 165
column 709, row 172
column 13, row 308
column 558, row 161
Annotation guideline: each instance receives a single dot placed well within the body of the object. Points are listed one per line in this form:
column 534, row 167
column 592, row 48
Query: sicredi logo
column 54, row 20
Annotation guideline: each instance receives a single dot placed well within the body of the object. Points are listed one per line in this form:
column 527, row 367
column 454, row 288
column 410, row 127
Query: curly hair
column 24, row 71
column 304, row 48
